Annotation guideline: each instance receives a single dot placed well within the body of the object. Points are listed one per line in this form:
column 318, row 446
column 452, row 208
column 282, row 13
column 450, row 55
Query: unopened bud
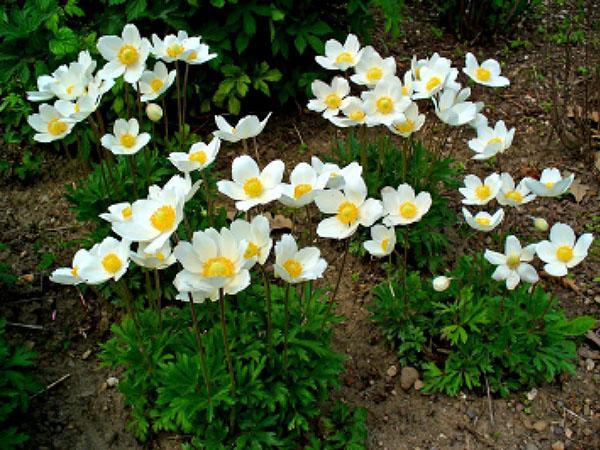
column 441, row 283
column 154, row 112
column 540, row 224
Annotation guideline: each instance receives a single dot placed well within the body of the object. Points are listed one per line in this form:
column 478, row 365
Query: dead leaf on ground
column 280, row 222
column 585, row 352
column 528, row 171
column 597, row 161
column 577, row 111
column 570, row 284
column 25, row 279
column 579, row 190
column 593, row 337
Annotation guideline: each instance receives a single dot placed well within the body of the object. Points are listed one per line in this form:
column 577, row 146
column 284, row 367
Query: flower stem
column 179, row 118
column 131, row 164
column 201, row 352
column 269, row 308
column 158, row 297
column 226, row 341
column 339, row 278
column 286, row 326
column 208, row 199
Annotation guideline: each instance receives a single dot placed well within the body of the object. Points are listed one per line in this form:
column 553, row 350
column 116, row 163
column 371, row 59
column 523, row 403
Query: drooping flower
column 155, row 82
column 126, row 55
column 402, row 206
column 385, row 103
column 550, row 184
column 70, row 275
column 452, row 107
column 511, row 195
column 304, row 186
column 354, row 112
column 257, row 236
column 488, row 73
column 329, row 98
column 250, row 186
column 119, row 212
column 340, row 57
column 477, row 192
column 199, row 156
column 483, row 221
column 513, row 264
column 372, row 68
column 247, row 127
column 441, row 283
column 171, row 48
column 563, row 251
column 107, row 260
column 413, row 121
column 383, row 241
column 351, row 208
column 160, row 259
column 337, row 176
column 296, row 266
column 50, row 124
column 490, row 141
column 126, row 138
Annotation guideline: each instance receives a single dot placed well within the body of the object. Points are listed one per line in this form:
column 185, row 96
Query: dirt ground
column 83, row 412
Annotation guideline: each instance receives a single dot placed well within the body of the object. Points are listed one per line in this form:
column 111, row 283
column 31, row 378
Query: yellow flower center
column 56, row 127
column 495, row 140
column 126, row 213
column 344, row 57
column 405, row 90
column 174, row 50
column 384, row 244
column 112, row 263
column 405, row 127
column 347, row 213
column 253, row 187
column 482, row 74
column 433, row 83
column 515, row 196
column 199, row 157
column 333, row 101
column 485, row 221
column 549, row 185
column 74, row 272
column 70, row 89
column 482, row 192
column 418, row 73
column 156, row 84
column 384, row 105
column 293, row 267
column 163, row 218
column 408, row 210
column 160, row 256
column 564, row 253
column 192, row 56
column 77, row 107
column 128, row 55
column 357, row 115
column 374, row 74
column 252, row 250
column 302, row 189
column 513, row 260
column 127, row 140
column 218, row 267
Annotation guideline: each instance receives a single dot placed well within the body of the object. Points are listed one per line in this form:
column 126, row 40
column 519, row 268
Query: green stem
column 286, row 326
column 404, row 273
column 208, row 199
column 158, row 297
column 201, row 352
column 131, row 164
column 165, row 120
column 179, row 118
column 129, row 302
column 339, row 278
column 226, row 341
column 269, row 308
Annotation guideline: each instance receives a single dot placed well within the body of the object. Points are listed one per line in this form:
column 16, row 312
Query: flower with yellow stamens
column 155, row 82
column 487, row 74
column 107, row 260
column 385, row 103
column 329, row 98
column 296, row 266
column 372, row 68
column 304, row 186
column 491, row 141
column 126, row 55
column 70, row 275
column 511, row 194
column 199, row 156
column 126, row 138
column 402, row 207
column 341, row 57
column 513, row 265
column 477, row 192
column 483, row 221
column 563, row 251
column 383, row 241
column 257, row 235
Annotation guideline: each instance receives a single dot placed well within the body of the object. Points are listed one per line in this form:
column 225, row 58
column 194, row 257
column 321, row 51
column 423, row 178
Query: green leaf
column 241, row 42
column 579, row 326
column 64, row 42
column 300, row 43
column 234, row 105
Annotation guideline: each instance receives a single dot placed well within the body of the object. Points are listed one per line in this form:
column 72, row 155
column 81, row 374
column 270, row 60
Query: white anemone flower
column 407, row 88
column 71, row 83
column 453, row 107
column 119, row 212
column 353, row 109
column 351, row 208
column 304, row 186
column 483, row 221
column 44, row 86
column 171, row 48
column 413, row 121
column 402, row 207
column 155, row 82
column 50, row 124
column 247, row 127
column 512, row 195
column 250, row 185
column 257, row 236
column 89, row 102
column 488, row 73
column 340, row 57
column 213, row 260
column 513, row 265
column 197, row 52
column 337, row 176
column 434, row 60
column 550, row 184
column 432, row 79
column 329, row 98
column 480, row 120
column 181, row 186
column 372, row 68
column 383, row 241
column 563, row 251
column 160, row 259
column 70, row 275
column 126, row 138
column 126, row 55
column 385, row 103
column 199, row 157
column 491, row 141
column 477, row 192
column 107, row 260
column 296, row 266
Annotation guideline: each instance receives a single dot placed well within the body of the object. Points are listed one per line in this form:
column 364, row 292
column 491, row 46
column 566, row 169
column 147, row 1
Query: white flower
column 171, row 48
column 513, row 264
column 435, row 60
column 50, row 124
column 338, row 56
column 70, row 83
column 412, row 122
column 247, row 127
column 488, row 73
column 371, row 68
column 119, row 212
column 304, row 186
column 213, row 260
column 402, row 207
column 453, row 109
column 160, row 259
column 181, row 186
column 126, row 138
column 407, row 88
column 89, row 102
column 441, row 283
column 561, row 252
column 154, row 82
column 385, row 103
column 337, row 176
column 44, row 85
column 483, row 221
column 295, row 266
column 511, row 195
column 197, row 52
column 383, row 241
column 154, row 112
column 351, row 209
column 328, row 97
column 256, row 235
column 480, row 120
column 353, row 109
column 126, row 55
column 490, row 141
column 250, row 186
column 107, row 260
column 199, row 157
column 477, row 192
column 70, row 275
column 550, row 184
column 431, row 78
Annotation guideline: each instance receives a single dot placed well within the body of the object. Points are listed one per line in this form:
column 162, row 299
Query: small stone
column 112, row 381
column 419, row 385
column 568, row 433
column 532, row 394
column 540, row 426
column 394, row 393
column 587, row 410
column 531, row 446
column 558, row 430
column 85, row 355
column 392, row 371
column 471, row 414
column 520, row 407
column 589, row 364
column 408, row 376
column 371, row 382
column 558, row 445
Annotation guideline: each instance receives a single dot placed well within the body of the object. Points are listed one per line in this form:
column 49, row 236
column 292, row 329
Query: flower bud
column 441, row 283
column 154, row 112
column 540, row 224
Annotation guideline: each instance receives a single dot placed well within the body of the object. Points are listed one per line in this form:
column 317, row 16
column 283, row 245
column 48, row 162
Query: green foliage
column 7, row 276
column 16, row 385
column 476, row 331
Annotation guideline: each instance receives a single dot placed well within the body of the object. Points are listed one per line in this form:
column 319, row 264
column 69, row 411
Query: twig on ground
column 51, row 385
column 25, row 325
column 489, row 398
